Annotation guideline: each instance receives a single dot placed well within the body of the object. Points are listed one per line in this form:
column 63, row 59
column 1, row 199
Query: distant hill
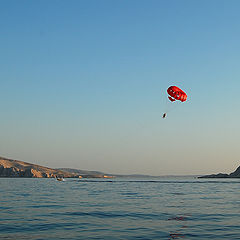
column 235, row 174
column 97, row 173
column 81, row 172
column 15, row 168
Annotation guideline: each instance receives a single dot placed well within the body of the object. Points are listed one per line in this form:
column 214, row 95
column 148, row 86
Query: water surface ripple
column 163, row 208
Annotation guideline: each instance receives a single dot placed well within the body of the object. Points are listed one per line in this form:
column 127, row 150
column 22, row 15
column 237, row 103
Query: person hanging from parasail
column 175, row 93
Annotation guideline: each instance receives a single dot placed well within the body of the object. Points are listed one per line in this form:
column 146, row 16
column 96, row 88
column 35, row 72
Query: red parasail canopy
column 176, row 94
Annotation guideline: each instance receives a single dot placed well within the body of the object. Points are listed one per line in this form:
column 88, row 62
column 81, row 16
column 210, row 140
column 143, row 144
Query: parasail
column 176, row 94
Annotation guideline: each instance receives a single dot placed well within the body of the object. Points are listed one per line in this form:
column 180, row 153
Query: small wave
column 99, row 214
column 177, row 193
column 161, row 181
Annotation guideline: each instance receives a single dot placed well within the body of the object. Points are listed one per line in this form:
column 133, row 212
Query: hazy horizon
column 83, row 85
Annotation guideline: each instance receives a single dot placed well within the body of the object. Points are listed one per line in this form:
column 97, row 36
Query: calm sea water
column 164, row 208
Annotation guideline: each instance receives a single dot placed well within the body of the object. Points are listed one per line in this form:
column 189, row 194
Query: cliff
column 15, row 168
column 235, row 174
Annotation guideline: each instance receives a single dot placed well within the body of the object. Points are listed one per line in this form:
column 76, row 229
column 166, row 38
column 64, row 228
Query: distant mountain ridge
column 98, row 173
column 235, row 174
column 16, row 168
column 81, row 172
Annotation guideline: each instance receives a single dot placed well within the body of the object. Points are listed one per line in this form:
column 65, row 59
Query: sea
column 120, row 208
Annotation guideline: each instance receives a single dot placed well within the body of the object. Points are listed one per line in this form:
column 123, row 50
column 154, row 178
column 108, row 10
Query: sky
column 83, row 85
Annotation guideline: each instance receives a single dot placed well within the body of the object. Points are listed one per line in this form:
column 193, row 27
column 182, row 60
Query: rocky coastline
column 235, row 174
column 15, row 168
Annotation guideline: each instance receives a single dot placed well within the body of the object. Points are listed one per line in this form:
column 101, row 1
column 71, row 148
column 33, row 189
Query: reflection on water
column 163, row 208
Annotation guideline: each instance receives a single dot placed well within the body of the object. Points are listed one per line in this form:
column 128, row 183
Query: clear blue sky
column 83, row 84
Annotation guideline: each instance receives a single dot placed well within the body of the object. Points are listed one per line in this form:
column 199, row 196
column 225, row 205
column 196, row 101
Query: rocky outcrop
column 235, row 174
column 219, row 175
column 14, row 168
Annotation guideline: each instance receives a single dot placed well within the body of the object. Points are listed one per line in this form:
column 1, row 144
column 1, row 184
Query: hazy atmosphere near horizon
column 83, row 85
